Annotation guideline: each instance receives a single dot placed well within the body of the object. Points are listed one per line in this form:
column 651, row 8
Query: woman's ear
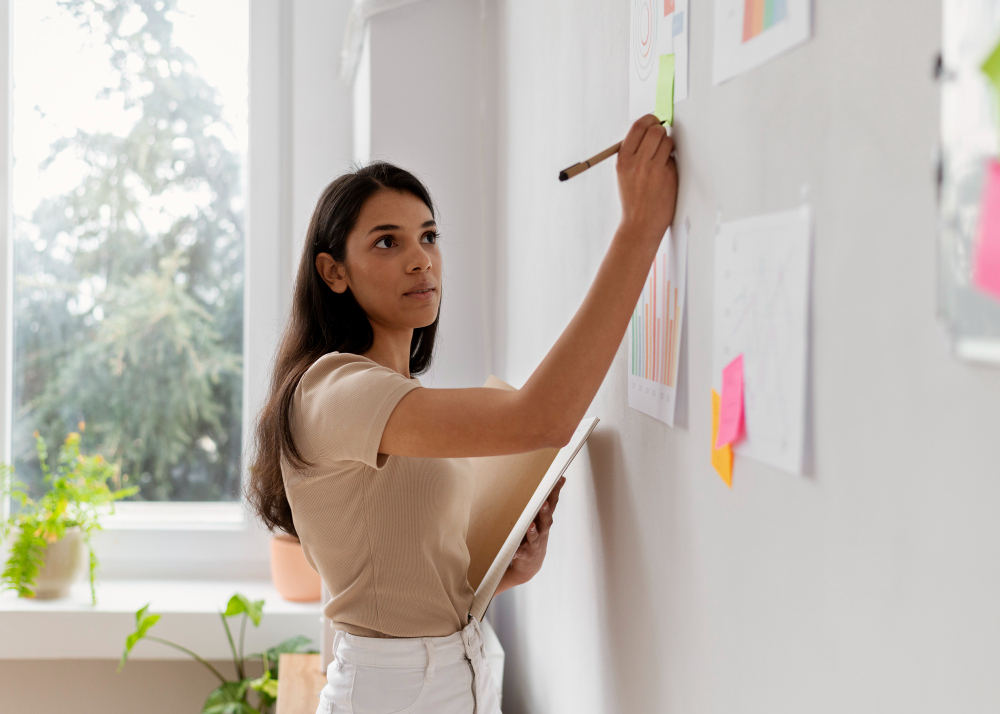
column 333, row 273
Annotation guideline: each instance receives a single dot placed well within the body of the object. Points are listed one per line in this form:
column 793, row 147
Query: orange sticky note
column 731, row 417
column 722, row 459
column 986, row 266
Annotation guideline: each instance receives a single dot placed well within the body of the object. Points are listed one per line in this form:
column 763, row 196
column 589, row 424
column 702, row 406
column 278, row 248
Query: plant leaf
column 239, row 603
column 267, row 687
column 230, row 698
column 142, row 624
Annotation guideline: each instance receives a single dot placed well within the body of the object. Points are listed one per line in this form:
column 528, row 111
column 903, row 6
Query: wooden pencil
column 592, row 161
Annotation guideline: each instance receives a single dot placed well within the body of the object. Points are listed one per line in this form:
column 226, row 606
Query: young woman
column 369, row 468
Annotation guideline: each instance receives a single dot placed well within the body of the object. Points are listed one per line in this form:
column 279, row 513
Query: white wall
column 320, row 116
column 870, row 586
column 432, row 93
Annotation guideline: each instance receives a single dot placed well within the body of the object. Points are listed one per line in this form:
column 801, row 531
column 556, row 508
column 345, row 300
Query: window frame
column 212, row 539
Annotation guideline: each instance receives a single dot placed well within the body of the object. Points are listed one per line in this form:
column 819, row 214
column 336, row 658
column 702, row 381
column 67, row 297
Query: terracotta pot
column 293, row 577
column 65, row 563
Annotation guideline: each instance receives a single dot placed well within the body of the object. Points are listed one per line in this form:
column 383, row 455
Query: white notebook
column 509, row 491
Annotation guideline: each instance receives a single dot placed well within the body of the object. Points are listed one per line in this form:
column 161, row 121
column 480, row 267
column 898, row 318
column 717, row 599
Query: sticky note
column 991, row 66
column 986, row 259
column 678, row 27
column 665, row 89
column 731, row 420
column 722, row 459
column 668, row 7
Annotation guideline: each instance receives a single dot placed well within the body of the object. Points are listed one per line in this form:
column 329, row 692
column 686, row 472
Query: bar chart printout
column 654, row 336
column 760, row 15
column 749, row 33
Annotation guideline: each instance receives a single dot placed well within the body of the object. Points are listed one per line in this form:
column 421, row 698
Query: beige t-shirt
column 386, row 533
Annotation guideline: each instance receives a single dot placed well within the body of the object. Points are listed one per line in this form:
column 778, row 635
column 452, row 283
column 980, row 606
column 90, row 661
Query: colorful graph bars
column 760, row 15
column 655, row 324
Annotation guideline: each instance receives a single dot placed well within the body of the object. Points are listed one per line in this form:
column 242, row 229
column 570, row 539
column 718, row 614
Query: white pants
column 443, row 675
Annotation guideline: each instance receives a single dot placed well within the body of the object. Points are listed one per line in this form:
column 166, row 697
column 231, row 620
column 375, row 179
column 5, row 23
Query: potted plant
column 293, row 577
column 50, row 543
column 231, row 696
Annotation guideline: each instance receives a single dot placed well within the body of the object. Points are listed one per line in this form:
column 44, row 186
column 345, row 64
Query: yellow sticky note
column 722, row 459
column 665, row 89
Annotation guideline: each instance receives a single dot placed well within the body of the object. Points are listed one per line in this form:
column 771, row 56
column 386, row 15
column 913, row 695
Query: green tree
column 129, row 287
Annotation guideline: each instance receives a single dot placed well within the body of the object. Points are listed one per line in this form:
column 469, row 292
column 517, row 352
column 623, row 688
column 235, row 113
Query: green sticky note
column 991, row 67
column 665, row 89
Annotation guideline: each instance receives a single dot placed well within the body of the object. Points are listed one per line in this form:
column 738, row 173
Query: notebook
column 509, row 491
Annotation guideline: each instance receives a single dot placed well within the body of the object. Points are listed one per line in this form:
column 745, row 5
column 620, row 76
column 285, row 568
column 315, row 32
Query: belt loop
column 479, row 636
column 337, row 637
column 429, row 674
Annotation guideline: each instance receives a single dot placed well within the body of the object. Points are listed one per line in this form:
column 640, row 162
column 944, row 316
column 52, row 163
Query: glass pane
column 129, row 144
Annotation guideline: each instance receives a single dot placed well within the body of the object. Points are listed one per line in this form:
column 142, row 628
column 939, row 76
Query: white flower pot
column 65, row 563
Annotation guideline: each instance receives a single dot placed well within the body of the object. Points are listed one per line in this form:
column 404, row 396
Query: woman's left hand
column 530, row 555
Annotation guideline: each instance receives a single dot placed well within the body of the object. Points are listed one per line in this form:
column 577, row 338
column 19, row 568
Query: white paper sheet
column 654, row 336
column 654, row 31
column 762, row 295
column 748, row 33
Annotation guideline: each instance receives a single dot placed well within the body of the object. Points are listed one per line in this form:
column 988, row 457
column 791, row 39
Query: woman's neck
column 391, row 348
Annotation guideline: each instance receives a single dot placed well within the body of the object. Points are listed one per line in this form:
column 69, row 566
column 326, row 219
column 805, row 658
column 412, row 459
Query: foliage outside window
column 128, row 186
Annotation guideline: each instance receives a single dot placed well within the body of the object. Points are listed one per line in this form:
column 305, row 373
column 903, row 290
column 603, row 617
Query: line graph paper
column 762, row 311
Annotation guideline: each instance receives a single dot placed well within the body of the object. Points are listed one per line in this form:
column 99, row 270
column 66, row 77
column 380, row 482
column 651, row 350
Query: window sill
column 144, row 516
column 71, row 628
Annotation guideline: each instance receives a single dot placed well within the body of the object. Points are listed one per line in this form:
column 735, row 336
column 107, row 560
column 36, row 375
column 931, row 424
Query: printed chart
column 761, row 310
column 760, row 15
column 748, row 33
column 654, row 336
column 658, row 27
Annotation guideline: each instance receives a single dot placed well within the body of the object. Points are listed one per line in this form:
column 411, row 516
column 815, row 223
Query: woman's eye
column 384, row 242
column 432, row 237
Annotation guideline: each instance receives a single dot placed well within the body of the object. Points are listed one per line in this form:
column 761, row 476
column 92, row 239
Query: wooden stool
column 299, row 683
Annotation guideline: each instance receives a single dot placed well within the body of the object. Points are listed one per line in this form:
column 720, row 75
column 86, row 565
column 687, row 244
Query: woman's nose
column 418, row 259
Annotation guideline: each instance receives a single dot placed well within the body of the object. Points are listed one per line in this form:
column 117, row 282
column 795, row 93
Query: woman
column 369, row 468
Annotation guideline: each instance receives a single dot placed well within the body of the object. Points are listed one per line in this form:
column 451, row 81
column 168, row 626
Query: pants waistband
column 408, row 651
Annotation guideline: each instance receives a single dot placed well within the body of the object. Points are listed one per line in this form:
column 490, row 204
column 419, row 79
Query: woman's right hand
column 647, row 179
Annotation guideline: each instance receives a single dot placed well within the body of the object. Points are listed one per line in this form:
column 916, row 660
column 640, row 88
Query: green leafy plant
column 78, row 495
column 231, row 696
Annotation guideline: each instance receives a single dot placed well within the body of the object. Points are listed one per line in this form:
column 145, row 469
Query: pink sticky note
column 986, row 268
column 731, row 418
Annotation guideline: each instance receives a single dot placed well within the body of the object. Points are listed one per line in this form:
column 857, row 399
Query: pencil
column 592, row 161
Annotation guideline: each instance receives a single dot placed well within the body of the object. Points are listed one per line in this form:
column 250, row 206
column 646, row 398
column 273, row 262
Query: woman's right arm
column 545, row 412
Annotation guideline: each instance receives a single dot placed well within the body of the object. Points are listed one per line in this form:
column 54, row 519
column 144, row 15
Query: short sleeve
column 343, row 402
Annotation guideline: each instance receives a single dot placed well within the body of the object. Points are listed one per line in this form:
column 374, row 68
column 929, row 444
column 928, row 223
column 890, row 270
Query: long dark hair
column 322, row 321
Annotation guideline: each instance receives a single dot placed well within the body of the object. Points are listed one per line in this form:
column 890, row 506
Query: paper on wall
column 731, row 415
column 986, row 261
column 654, row 336
column 762, row 288
column 665, row 90
column 748, row 33
column 722, row 457
column 657, row 27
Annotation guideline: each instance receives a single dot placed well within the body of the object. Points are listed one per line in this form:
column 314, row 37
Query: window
column 166, row 538
column 130, row 143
